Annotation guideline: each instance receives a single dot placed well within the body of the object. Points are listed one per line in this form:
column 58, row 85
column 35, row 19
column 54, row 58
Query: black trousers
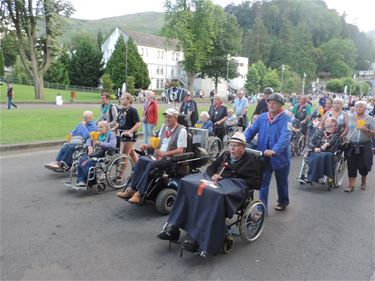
column 143, row 167
column 359, row 159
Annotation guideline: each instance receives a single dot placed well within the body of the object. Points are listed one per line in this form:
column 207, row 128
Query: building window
column 161, row 83
column 172, row 71
column 172, row 55
column 177, row 55
column 142, row 52
column 241, row 64
column 161, row 70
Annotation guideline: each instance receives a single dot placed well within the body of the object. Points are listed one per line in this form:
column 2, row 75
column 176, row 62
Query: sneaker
column 81, row 184
column 52, row 166
column 280, row 207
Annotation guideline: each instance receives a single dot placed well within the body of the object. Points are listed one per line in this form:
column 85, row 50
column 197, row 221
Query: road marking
column 18, row 154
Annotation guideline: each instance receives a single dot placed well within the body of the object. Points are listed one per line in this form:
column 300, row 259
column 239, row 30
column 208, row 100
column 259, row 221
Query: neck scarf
column 103, row 137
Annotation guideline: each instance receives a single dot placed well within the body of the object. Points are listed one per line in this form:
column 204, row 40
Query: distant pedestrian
column 190, row 109
column 59, row 100
column 241, row 105
column 10, row 94
column 150, row 116
column 262, row 104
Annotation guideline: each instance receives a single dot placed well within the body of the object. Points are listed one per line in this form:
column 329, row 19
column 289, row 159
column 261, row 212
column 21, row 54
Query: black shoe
column 280, row 207
column 190, row 246
column 171, row 235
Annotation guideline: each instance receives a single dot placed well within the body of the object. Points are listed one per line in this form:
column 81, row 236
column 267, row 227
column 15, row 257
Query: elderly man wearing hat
column 205, row 200
column 173, row 141
column 274, row 136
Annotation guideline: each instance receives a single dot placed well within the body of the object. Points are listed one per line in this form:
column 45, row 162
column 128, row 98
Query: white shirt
column 181, row 140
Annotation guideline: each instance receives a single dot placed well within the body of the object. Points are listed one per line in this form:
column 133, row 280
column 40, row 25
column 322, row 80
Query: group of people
column 270, row 126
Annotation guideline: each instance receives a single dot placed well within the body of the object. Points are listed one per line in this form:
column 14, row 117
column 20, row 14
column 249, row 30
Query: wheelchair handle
column 255, row 152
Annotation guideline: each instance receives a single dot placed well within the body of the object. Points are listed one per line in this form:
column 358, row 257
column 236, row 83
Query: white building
column 164, row 61
column 206, row 85
column 161, row 55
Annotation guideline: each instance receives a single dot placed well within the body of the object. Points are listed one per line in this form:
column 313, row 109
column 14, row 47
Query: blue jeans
column 147, row 131
column 66, row 153
column 281, row 182
column 84, row 166
column 10, row 103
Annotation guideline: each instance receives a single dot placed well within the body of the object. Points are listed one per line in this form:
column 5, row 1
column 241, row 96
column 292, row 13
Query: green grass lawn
column 32, row 125
column 25, row 93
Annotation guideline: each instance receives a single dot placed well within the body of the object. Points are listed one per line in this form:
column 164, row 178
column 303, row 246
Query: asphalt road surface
column 51, row 233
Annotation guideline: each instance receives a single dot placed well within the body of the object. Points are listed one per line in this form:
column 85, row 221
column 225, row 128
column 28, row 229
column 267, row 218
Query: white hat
column 171, row 112
column 238, row 137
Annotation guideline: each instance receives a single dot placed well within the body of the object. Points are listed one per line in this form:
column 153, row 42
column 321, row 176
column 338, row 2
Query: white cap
column 171, row 112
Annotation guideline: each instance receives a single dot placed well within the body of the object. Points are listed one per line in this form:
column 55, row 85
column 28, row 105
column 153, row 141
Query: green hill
column 148, row 22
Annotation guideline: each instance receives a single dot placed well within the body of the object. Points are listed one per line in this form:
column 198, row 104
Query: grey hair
column 104, row 123
column 205, row 114
column 150, row 93
column 360, row 102
column 88, row 113
column 340, row 100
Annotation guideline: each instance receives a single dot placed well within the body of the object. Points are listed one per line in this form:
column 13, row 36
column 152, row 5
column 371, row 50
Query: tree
column 86, row 65
column 193, row 24
column 227, row 42
column 22, row 76
column 116, row 65
column 340, row 69
column 36, row 48
column 335, row 85
column 252, row 84
column 271, row 79
column 1, row 63
column 58, row 72
column 9, row 47
column 100, row 39
column 107, row 82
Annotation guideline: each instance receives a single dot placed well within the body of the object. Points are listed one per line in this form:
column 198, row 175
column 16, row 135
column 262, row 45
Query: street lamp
column 126, row 62
column 303, row 83
column 228, row 58
column 282, row 77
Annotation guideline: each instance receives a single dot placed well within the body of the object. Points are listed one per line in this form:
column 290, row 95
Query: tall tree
column 58, row 72
column 193, row 24
column 1, row 63
column 36, row 48
column 227, row 43
column 9, row 46
column 116, row 65
column 100, row 39
column 86, row 63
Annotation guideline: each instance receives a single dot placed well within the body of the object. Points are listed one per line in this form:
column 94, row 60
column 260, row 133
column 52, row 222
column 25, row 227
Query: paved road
column 51, row 233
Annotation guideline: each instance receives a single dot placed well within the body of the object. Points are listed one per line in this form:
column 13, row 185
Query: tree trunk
column 191, row 79
column 216, row 83
column 38, row 85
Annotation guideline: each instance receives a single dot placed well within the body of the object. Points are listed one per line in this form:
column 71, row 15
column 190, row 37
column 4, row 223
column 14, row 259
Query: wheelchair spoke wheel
column 165, row 200
column 119, row 171
column 301, row 145
column 214, row 148
column 252, row 221
column 339, row 172
column 100, row 187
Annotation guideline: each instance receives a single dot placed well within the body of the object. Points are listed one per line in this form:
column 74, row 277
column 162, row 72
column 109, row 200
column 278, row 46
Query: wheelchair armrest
column 182, row 157
column 254, row 152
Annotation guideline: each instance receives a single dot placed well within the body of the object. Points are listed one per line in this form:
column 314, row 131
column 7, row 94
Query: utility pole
column 228, row 58
column 303, row 83
column 282, row 77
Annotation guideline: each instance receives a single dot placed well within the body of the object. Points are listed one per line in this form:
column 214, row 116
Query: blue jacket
column 208, row 125
column 275, row 136
column 84, row 131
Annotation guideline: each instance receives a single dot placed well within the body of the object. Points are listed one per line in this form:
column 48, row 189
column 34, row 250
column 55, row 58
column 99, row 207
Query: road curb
column 20, row 146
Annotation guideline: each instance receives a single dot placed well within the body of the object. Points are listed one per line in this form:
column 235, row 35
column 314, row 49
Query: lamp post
column 303, row 83
column 228, row 58
column 282, row 77
column 126, row 63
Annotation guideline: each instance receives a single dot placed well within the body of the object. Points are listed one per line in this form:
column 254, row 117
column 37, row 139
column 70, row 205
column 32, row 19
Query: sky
column 359, row 12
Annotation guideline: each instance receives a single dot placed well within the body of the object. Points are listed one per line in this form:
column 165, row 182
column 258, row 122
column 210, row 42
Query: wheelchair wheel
column 339, row 172
column 165, row 200
column 100, row 187
column 252, row 221
column 228, row 244
column 116, row 176
column 214, row 148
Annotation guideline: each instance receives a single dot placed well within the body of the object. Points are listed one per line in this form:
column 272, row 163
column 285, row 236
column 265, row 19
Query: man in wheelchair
column 95, row 149
column 173, row 141
column 78, row 136
column 322, row 146
column 204, row 200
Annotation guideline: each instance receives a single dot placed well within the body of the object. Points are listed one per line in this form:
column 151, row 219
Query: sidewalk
column 20, row 146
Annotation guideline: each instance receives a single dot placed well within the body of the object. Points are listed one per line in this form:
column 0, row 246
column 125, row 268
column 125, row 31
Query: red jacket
column 150, row 114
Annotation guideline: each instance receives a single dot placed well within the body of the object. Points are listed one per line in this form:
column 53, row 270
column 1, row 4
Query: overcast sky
column 359, row 12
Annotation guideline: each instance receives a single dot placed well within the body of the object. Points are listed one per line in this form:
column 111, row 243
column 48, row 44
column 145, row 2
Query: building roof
column 150, row 40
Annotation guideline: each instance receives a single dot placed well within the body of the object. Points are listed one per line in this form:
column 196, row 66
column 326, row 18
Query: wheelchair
column 298, row 138
column 247, row 222
column 339, row 164
column 162, row 188
column 108, row 170
column 229, row 132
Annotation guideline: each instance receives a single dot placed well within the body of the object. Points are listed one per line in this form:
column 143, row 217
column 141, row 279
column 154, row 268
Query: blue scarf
column 102, row 138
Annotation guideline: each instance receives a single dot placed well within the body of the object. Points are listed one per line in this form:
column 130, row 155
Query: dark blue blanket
column 201, row 208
